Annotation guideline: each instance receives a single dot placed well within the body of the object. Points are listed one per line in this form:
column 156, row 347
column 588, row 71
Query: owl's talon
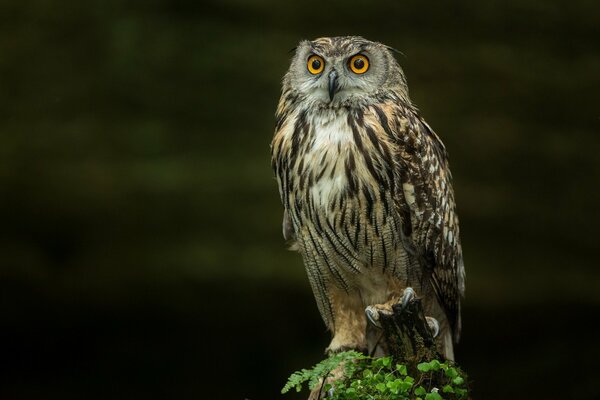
column 408, row 296
column 373, row 316
column 434, row 326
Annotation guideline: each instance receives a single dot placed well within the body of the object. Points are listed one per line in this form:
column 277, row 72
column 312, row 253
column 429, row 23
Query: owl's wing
column 287, row 227
column 425, row 202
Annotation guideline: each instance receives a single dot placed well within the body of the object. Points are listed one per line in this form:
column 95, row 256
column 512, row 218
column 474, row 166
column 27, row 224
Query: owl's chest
column 331, row 185
column 327, row 163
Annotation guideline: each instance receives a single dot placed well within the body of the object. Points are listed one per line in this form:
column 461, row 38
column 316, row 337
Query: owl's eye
column 315, row 64
column 359, row 64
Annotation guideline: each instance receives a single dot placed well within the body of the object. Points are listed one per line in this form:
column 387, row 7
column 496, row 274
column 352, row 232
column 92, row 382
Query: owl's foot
column 375, row 311
column 408, row 296
column 434, row 326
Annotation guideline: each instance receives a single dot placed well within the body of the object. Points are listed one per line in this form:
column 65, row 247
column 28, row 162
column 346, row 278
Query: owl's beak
column 333, row 84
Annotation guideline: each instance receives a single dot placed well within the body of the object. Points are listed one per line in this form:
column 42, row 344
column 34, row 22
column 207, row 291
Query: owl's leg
column 349, row 329
column 349, row 322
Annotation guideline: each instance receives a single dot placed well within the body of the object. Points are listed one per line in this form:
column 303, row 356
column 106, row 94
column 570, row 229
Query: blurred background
column 140, row 225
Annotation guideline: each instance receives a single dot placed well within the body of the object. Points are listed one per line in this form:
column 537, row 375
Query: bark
column 406, row 335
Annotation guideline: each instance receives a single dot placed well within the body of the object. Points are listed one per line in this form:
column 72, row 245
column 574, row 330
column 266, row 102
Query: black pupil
column 316, row 64
column 359, row 63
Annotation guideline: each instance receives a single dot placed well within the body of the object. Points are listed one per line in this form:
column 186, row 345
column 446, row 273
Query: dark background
column 140, row 243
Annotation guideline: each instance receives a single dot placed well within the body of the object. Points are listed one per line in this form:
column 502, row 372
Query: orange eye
column 359, row 64
column 315, row 64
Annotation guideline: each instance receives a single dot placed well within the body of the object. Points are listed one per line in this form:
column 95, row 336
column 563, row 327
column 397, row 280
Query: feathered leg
column 349, row 322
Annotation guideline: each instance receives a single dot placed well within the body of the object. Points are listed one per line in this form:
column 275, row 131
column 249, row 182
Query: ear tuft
column 395, row 50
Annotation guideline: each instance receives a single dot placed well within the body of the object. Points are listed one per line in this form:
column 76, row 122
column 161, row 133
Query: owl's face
column 330, row 72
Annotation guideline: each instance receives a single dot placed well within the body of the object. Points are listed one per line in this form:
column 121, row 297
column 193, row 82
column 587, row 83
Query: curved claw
column 373, row 316
column 408, row 296
column 434, row 326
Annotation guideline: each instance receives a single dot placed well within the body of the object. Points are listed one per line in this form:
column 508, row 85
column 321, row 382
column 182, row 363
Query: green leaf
column 295, row 381
column 447, row 389
column 433, row 396
column 314, row 381
column 401, row 369
column 420, row 391
column 394, row 386
column 386, row 361
column 381, row 387
column 451, row 373
column 322, row 369
column 424, row 367
column 406, row 386
column 458, row 380
column 435, row 365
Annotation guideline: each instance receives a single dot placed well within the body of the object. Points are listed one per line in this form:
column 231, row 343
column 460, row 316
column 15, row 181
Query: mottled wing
column 426, row 203
column 287, row 227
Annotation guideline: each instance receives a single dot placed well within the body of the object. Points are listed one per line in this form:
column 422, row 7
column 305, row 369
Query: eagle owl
column 366, row 190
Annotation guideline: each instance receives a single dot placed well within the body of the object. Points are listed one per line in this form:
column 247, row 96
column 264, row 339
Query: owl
column 367, row 192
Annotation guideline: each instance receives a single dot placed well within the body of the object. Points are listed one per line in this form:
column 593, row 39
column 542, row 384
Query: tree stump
column 406, row 334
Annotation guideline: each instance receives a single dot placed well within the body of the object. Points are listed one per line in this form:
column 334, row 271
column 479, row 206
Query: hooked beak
column 333, row 84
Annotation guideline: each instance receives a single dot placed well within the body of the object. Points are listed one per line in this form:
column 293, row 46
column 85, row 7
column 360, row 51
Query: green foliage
column 381, row 379
column 322, row 369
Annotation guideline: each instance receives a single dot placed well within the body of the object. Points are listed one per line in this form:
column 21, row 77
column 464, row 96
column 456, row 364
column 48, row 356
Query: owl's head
column 335, row 71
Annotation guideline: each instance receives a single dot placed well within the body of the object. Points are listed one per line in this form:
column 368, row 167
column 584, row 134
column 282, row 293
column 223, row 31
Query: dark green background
column 140, row 243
